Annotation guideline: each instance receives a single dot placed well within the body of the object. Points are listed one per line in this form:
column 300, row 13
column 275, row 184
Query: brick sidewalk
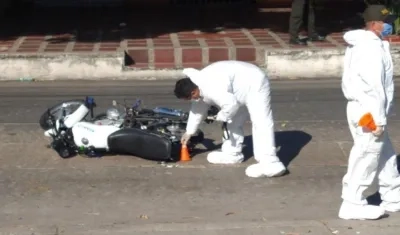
column 161, row 39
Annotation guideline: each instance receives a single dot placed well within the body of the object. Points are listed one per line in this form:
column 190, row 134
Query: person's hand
column 185, row 138
column 220, row 117
column 210, row 119
column 378, row 131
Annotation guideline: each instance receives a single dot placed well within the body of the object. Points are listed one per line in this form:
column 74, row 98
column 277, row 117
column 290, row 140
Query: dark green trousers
column 302, row 11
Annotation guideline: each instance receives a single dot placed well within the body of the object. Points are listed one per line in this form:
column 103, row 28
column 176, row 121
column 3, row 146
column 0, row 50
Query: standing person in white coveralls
column 367, row 84
column 238, row 89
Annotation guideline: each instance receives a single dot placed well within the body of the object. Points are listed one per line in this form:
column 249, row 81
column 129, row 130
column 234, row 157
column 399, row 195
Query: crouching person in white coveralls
column 367, row 84
column 241, row 90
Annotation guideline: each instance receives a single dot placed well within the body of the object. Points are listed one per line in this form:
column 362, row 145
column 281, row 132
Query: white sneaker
column 218, row 157
column 390, row 206
column 350, row 211
column 266, row 170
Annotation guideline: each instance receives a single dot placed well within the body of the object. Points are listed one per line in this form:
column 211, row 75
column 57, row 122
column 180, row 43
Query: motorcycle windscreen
column 142, row 144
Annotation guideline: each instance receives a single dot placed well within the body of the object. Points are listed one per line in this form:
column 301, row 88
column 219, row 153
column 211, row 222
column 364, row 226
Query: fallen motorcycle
column 152, row 134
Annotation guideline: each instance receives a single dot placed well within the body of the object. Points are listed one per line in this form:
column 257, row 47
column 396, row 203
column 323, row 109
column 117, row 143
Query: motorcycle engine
column 175, row 130
column 113, row 114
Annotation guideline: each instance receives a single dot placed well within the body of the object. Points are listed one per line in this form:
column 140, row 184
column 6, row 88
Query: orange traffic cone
column 185, row 156
column 367, row 121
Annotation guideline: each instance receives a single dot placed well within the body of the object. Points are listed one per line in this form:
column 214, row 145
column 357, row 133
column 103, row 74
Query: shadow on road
column 289, row 143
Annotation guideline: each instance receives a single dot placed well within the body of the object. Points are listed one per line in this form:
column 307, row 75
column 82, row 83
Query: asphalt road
column 43, row 194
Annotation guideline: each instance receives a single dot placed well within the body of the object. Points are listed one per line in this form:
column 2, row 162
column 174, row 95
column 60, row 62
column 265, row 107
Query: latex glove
column 185, row 138
column 221, row 118
column 378, row 131
column 224, row 120
column 210, row 119
column 213, row 118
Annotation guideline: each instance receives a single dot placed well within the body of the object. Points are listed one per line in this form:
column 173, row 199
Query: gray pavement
column 43, row 194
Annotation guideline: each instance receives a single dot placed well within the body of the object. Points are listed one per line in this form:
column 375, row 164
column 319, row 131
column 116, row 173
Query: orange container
column 367, row 121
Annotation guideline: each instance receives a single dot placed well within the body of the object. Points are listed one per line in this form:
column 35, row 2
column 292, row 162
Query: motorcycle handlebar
column 212, row 112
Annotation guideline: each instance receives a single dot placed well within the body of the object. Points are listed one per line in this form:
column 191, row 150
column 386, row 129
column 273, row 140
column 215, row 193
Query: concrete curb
column 60, row 66
column 72, row 66
column 292, row 64
column 326, row 63
column 279, row 64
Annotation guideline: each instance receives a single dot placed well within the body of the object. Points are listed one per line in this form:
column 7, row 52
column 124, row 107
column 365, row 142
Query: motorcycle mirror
column 114, row 103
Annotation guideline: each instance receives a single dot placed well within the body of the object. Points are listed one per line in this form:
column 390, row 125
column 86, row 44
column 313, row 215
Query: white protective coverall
column 367, row 84
column 238, row 89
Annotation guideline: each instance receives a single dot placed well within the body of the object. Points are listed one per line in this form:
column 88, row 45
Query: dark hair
column 184, row 88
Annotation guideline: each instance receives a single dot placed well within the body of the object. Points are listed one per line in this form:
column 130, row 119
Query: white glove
column 378, row 131
column 185, row 138
column 221, row 118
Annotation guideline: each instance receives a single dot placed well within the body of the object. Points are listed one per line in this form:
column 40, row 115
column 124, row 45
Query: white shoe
column 390, row 206
column 218, row 157
column 350, row 211
column 266, row 170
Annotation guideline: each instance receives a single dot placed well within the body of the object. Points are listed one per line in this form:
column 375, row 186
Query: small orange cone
column 185, row 156
column 367, row 121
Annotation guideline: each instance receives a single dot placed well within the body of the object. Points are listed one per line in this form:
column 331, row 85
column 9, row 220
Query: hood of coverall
column 195, row 77
column 193, row 74
column 359, row 36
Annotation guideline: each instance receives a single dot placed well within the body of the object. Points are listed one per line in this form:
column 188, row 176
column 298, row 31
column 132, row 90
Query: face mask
column 387, row 30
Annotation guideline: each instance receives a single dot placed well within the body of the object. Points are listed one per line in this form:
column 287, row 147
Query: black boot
column 297, row 41
column 316, row 38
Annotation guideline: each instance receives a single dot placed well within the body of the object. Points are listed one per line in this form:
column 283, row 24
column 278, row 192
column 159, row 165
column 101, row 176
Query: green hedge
column 393, row 6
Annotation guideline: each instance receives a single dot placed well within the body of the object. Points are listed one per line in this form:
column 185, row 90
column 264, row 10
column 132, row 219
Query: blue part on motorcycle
column 94, row 154
column 168, row 111
column 137, row 104
column 89, row 100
